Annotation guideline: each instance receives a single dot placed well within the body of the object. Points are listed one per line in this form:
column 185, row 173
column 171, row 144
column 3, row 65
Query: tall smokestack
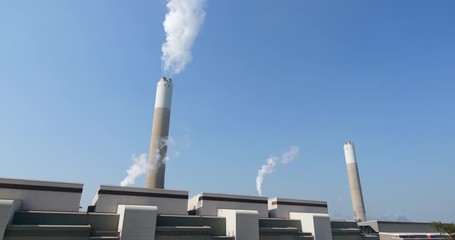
column 354, row 182
column 160, row 133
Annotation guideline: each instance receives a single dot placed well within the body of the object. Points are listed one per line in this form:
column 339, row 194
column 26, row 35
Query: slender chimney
column 160, row 133
column 354, row 182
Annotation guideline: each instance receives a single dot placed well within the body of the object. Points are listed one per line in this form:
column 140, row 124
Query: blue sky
column 77, row 88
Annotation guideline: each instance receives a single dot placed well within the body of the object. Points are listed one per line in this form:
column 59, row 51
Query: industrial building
column 388, row 230
column 51, row 210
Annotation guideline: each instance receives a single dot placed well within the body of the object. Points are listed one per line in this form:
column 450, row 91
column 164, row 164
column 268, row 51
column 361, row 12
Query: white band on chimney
column 354, row 182
column 164, row 93
column 349, row 154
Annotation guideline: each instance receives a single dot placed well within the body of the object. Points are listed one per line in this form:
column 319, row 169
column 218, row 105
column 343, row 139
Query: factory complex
column 50, row 210
column 32, row 209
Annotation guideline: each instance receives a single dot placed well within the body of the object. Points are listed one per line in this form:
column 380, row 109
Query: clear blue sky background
column 77, row 88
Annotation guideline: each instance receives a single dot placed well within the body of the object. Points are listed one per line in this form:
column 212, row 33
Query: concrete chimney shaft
column 354, row 182
column 160, row 133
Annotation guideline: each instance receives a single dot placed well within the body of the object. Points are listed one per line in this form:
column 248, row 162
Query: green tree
column 448, row 228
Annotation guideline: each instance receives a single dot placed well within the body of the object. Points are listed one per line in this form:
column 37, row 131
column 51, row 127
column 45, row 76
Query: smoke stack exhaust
column 354, row 182
column 160, row 133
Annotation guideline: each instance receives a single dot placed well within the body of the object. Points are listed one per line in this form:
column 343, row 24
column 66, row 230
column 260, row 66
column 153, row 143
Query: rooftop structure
column 50, row 210
column 388, row 230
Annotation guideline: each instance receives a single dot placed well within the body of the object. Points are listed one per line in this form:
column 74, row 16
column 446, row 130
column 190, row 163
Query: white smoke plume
column 288, row 156
column 267, row 168
column 166, row 142
column 181, row 24
column 140, row 166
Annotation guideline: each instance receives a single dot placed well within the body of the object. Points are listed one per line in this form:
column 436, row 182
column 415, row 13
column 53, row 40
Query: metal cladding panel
column 281, row 207
column 241, row 224
column 168, row 201
column 209, row 203
column 316, row 223
column 399, row 226
column 42, row 195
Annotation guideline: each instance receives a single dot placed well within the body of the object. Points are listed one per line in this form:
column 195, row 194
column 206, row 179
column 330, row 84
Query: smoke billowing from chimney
column 271, row 162
column 140, row 166
column 164, row 143
column 182, row 23
column 265, row 169
column 288, row 156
